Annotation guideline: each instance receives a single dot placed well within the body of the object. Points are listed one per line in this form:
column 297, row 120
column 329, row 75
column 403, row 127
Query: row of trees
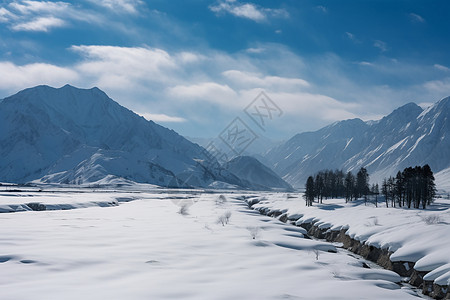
column 335, row 184
column 414, row 186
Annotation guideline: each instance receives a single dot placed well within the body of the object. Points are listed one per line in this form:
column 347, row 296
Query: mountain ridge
column 81, row 136
column 407, row 136
column 255, row 172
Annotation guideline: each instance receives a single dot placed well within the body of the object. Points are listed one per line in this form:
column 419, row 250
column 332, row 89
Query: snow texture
column 146, row 249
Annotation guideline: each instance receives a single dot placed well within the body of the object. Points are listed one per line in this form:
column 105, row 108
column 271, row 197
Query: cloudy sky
column 194, row 66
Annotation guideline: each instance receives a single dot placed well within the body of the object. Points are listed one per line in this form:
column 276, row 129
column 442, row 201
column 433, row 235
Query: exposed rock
column 427, row 287
column 283, row 218
column 440, row 292
column 417, row 278
column 36, row 206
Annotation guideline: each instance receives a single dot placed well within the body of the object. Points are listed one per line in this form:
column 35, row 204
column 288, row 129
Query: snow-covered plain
column 142, row 247
column 414, row 235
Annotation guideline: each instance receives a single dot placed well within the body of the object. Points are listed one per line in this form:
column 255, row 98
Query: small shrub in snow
column 221, row 200
column 222, row 220
column 184, row 209
column 254, row 232
column 316, row 252
column 373, row 222
column 432, row 219
column 227, row 216
column 336, row 273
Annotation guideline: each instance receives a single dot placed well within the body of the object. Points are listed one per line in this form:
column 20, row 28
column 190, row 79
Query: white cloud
column 252, row 80
column 163, row 118
column 439, row 86
column 39, row 24
column 255, row 50
column 416, row 18
column 27, row 15
column 27, row 7
column 380, row 45
column 248, row 10
column 39, row 16
column 6, row 15
column 365, row 63
column 206, row 92
column 308, row 105
column 441, row 67
column 124, row 67
column 119, row 6
column 189, row 57
column 20, row 77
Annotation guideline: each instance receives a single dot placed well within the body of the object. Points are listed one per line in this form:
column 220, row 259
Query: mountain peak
column 255, row 172
column 409, row 111
column 71, row 87
column 408, row 107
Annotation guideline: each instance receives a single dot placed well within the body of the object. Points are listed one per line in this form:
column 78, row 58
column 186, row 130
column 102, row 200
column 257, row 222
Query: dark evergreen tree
column 429, row 186
column 399, row 186
column 319, row 186
column 385, row 191
column 375, row 191
column 362, row 183
column 349, row 184
column 309, row 191
column 407, row 175
column 340, row 189
column 391, row 190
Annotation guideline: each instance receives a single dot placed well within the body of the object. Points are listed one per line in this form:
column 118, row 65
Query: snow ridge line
column 38, row 206
column 379, row 256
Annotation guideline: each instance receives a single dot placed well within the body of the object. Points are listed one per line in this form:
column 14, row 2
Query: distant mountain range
column 408, row 136
column 252, row 170
column 81, row 136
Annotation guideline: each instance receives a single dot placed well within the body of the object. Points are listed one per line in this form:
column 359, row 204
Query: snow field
column 147, row 249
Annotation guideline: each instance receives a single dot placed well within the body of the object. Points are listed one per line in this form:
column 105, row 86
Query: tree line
column 336, row 184
column 414, row 186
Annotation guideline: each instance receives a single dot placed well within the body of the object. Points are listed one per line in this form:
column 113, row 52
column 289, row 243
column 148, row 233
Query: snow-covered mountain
column 256, row 149
column 71, row 135
column 408, row 136
column 252, row 170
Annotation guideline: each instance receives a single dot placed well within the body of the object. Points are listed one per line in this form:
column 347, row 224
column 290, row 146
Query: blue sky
column 194, row 66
